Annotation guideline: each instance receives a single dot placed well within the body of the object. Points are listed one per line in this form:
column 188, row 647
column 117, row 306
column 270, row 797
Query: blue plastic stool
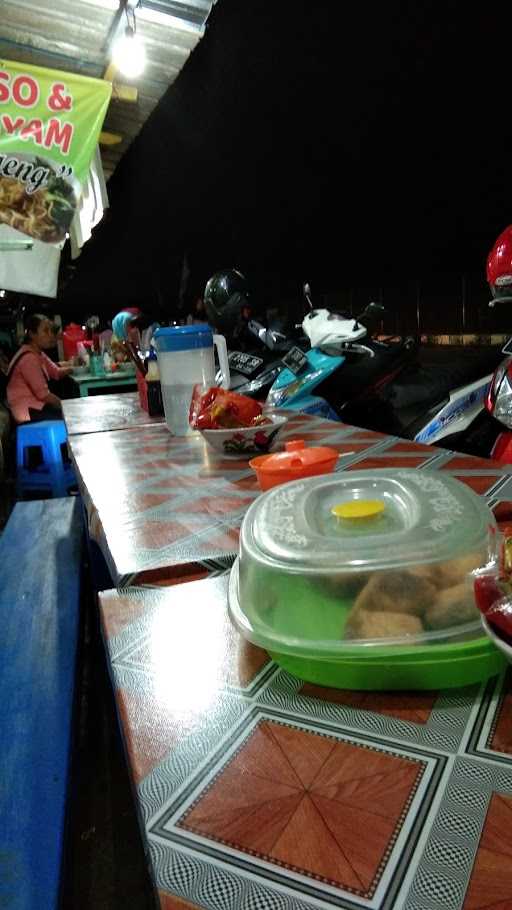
column 53, row 474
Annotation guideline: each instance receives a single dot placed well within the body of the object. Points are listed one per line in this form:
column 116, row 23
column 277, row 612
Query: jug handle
column 222, row 351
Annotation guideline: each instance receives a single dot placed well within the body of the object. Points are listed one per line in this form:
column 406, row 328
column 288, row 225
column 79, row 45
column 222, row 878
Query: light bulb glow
column 129, row 55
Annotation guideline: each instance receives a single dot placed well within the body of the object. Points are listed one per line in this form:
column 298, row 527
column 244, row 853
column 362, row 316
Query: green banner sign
column 50, row 122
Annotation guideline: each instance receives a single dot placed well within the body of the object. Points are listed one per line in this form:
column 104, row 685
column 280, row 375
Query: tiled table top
column 98, row 413
column 161, row 506
column 260, row 792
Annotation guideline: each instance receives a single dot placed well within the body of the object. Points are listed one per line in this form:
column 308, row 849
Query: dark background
column 364, row 148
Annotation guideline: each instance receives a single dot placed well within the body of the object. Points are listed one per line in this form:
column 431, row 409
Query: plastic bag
column 218, row 409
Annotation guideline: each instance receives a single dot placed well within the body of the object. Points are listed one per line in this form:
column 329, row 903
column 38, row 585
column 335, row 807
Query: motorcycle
column 499, row 399
column 316, row 349
column 338, row 341
column 393, row 388
column 335, row 369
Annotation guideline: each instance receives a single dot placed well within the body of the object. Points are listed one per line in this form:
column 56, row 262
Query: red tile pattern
column 479, row 483
column 490, row 886
column 327, row 809
column 401, row 447
column 181, row 683
column 501, row 735
column 469, row 463
column 159, row 501
column 173, row 575
column 415, row 707
column 170, row 902
column 306, row 802
column 503, row 514
column 392, row 461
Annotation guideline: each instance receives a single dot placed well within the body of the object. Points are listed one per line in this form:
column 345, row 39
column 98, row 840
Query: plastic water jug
column 186, row 357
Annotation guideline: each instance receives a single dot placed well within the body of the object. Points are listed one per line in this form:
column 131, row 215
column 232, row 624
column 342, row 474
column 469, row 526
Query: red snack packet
column 494, row 599
column 219, row 409
column 487, row 592
column 500, row 616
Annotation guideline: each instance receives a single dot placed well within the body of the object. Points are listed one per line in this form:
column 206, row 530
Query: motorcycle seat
column 440, row 372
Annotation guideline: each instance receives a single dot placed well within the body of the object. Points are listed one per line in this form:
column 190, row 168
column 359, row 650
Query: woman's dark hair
column 33, row 322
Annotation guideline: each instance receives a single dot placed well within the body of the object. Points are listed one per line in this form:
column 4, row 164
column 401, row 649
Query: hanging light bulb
column 128, row 53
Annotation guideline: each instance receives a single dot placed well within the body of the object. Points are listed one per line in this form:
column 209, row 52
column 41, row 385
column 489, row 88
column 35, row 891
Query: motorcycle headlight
column 500, row 394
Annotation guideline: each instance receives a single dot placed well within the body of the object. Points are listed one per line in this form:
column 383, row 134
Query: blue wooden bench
column 40, row 581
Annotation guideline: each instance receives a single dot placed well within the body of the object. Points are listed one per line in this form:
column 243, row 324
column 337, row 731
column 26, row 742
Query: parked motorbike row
column 332, row 365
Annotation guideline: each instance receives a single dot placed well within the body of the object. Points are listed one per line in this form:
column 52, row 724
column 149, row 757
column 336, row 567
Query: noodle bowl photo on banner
column 43, row 208
column 50, row 122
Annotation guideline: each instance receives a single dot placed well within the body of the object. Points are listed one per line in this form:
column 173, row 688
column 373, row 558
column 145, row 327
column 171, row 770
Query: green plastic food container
column 363, row 580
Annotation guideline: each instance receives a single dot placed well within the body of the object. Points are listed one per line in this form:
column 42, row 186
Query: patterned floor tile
column 490, row 886
column 415, row 707
column 327, row 809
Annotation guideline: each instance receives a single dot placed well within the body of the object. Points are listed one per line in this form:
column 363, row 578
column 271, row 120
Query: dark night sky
column 350, row 144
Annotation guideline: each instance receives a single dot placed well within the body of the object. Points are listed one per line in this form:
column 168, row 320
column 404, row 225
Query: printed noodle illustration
column 45, row 214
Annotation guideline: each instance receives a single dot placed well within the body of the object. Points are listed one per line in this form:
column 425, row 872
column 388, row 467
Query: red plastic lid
column 295, row 457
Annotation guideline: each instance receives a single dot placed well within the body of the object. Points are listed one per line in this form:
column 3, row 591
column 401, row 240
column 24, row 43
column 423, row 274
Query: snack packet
column 219, row 409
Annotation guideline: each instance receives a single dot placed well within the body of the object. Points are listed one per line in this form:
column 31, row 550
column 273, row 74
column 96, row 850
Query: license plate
column 295, row 360
column 244, row 363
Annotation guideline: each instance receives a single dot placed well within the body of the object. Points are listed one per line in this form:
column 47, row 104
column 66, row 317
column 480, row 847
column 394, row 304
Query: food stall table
column 160, row 507
column 257, row 791
column 98, row 413
column 86, row 381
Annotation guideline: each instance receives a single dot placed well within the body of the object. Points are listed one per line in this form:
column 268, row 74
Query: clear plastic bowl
column 359, row 565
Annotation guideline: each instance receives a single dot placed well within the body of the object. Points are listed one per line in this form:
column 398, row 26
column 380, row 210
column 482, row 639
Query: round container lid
column 295, row 457
column 359, row 520
column 183, row 338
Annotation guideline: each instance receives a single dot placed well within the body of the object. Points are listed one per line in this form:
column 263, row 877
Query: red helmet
column 499, row 265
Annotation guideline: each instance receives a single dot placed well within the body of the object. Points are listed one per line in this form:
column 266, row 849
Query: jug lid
column 183, row 337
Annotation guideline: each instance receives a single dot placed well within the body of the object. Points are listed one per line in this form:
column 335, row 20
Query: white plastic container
column 185, row 358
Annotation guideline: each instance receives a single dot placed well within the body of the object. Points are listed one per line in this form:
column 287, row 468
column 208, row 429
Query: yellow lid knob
column 359, row 508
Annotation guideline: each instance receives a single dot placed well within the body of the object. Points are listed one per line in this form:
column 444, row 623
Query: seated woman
column 30, row 370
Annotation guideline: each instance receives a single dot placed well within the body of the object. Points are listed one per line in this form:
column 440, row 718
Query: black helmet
column 225, row 295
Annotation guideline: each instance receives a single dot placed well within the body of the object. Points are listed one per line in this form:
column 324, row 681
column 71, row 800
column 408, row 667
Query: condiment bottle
column 155, row 404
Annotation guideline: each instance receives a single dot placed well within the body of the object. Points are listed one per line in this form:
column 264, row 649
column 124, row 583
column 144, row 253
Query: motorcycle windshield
column 289, row 387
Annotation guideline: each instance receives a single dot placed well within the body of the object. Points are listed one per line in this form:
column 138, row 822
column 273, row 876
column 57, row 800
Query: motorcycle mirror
column 495, row 300
column 307, row 295
column 373, row 309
